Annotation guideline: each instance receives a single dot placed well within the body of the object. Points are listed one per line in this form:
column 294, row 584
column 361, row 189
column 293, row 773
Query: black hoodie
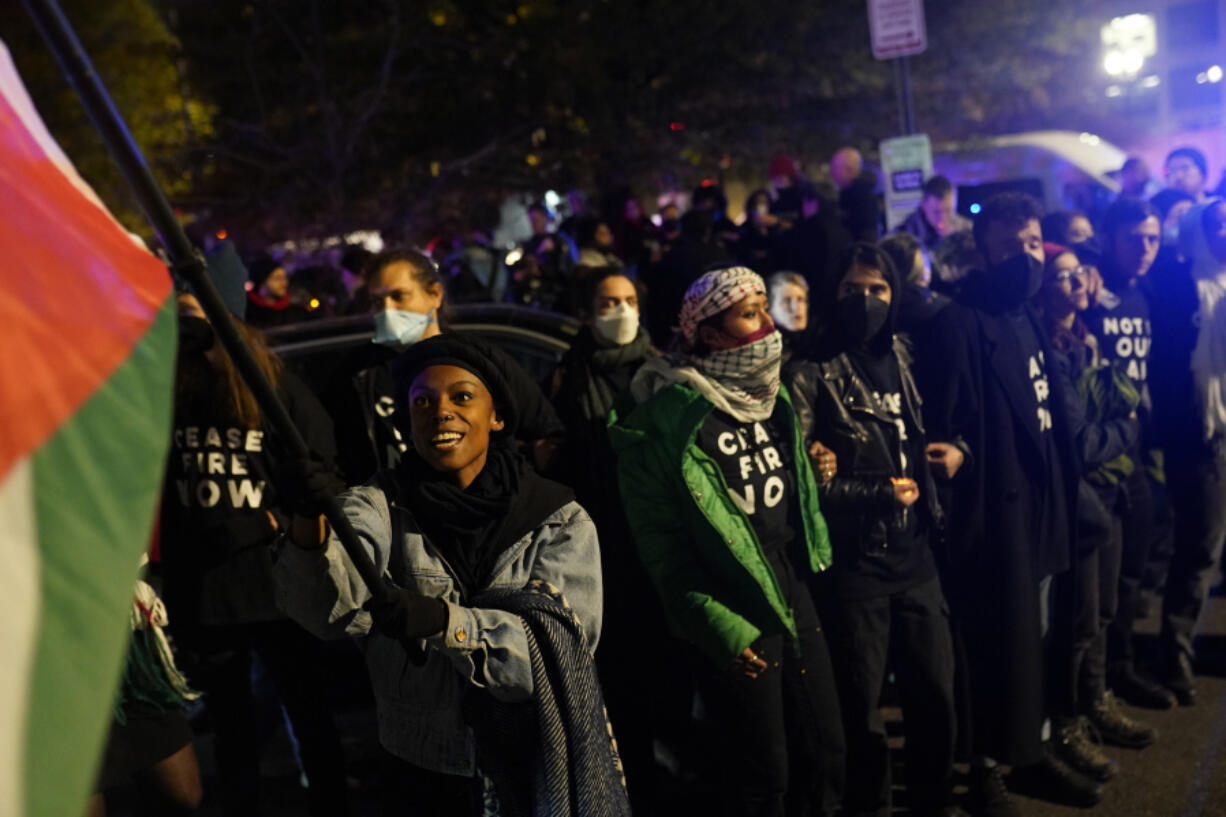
column 860, row 400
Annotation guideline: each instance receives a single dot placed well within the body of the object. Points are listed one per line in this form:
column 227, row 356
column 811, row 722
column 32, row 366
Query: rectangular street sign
column 906, row 162
column 897, row 27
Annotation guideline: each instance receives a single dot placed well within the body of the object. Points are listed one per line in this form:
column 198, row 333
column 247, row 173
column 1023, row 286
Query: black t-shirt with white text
column 219, row 507
column 1122, row 326
column 757, row 463
column 1036, row 375
column 1050, row 501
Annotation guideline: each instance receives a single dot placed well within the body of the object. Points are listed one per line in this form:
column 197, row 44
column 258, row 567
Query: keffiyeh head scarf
column 742, row 381
column 713, row 293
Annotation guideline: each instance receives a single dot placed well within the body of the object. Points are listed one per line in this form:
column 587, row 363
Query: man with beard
column 989, row 392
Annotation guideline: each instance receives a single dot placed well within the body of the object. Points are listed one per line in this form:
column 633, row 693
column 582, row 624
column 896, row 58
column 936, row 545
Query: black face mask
column 862, row 317
column 195, row 334
column 1016, row 280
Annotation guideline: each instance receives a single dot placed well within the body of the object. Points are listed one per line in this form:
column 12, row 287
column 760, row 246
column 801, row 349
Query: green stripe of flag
column 96, row 487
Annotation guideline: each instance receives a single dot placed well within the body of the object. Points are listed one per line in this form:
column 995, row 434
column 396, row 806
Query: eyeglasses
column 1067, row 274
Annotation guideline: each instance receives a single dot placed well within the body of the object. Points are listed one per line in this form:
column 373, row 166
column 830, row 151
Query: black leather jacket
column 836, row 406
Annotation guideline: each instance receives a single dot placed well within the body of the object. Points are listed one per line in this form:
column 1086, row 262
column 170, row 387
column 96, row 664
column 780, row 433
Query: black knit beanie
column 453, row 349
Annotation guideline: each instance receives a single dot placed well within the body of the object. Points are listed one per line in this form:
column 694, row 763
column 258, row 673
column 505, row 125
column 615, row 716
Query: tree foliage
column 398, row 115
column 139, row 60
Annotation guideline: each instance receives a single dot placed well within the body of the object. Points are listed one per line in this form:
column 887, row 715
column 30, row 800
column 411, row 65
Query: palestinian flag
column 87, row 351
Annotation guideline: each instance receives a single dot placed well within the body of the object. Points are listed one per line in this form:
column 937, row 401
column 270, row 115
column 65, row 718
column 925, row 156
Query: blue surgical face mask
column 400, row 327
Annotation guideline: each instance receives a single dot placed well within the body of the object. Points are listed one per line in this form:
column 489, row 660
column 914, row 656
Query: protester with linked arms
column 881, row 601
column 722, row 501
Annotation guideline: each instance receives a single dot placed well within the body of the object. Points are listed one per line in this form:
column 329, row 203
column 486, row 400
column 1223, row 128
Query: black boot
column 1181, row 680
column 1053, row 780
column 1116, row 728
column 988, row 796
column 1072, row 744
column 1137, row 690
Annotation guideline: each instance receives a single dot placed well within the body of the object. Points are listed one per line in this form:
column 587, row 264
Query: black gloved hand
column 304, row 484
column 407, row 615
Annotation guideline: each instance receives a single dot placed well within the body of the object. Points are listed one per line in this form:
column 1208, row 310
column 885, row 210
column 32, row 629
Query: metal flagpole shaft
column 77, row 67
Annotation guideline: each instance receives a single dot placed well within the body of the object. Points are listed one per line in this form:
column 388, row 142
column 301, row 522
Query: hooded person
column 493, row 605
column 881, row 602
column 1188, row 385
column 722, row 501
column 982, row 367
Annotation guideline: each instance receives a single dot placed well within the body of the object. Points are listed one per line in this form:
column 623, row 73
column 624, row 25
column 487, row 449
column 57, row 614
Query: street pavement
column 1184, row 773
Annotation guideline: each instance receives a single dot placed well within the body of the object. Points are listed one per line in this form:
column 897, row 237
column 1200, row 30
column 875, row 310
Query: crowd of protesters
column 787, row 467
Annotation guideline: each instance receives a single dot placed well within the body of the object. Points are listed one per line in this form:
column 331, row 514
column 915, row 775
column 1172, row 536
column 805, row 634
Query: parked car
column 536, row 339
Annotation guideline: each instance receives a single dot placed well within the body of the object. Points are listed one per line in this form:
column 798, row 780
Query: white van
column 1062, row 169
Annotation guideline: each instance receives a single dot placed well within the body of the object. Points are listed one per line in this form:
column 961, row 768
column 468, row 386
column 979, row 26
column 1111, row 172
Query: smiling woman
column 452, row 414
column 494, row 599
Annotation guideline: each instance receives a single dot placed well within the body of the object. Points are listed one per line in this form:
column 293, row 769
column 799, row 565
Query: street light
column 1127, row 41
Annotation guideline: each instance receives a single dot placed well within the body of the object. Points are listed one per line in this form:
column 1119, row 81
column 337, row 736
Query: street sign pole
column 897, row 30
column 906, row 107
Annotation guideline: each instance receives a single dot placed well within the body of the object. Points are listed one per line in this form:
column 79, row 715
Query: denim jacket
column 419, row 702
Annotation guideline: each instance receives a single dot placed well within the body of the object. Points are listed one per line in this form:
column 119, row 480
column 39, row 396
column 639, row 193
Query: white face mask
column 400, row 327
column 619, row 325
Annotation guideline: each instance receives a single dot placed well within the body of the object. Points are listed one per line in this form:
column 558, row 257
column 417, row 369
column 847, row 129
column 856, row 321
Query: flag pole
column 185, row 259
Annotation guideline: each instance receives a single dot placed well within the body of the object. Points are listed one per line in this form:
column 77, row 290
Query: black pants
column 218, row 662
column 1101, row 588
column 909, row 631
column 1137, row 513
column 1197, row 482
column 780, row 737
column 411, row 791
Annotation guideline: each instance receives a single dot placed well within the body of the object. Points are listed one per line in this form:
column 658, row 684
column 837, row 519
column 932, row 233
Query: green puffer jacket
column 700, row 549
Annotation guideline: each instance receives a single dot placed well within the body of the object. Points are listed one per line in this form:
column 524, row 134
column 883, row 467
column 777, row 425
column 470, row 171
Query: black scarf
column 472, row 527
column 590, row 370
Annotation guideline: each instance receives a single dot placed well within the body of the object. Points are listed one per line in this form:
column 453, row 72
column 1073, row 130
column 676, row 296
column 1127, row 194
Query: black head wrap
column 453, row 349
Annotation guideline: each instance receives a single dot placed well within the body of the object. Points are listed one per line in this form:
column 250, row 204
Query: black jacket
column 1174, row 307
column 973, row 376
column 836, row 406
